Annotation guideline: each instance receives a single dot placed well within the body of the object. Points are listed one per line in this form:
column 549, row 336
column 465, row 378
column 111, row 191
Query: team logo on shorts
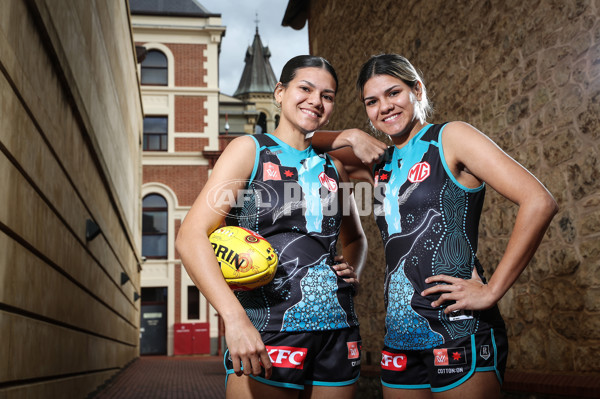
column 287, row 356
column 393, row 361
column 419, row 172
column 484, row 352
column 353, row 352
column 449, row 356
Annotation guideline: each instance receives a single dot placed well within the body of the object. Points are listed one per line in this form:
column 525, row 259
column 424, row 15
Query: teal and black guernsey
column 292, row 200
column 429, row 225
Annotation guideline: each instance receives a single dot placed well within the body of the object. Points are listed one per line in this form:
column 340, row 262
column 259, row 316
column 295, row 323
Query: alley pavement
column 168, row 377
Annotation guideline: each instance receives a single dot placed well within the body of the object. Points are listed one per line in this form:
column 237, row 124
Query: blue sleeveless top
column 429, row 226
column 292, row 200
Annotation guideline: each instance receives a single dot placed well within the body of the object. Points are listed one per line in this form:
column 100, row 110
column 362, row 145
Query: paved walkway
column 150, row 377
column 203, row 377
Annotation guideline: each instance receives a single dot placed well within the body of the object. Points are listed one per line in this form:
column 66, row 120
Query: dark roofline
column 174, row 14
column 296, row 14
column 168, row 8
column 258, row 76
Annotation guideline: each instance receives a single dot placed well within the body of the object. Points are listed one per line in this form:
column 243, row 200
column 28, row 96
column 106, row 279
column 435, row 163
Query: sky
column 239, row 17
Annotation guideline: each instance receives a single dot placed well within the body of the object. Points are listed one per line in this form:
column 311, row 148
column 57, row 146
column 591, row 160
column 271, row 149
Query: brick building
column 187, row 124
column 180, row 96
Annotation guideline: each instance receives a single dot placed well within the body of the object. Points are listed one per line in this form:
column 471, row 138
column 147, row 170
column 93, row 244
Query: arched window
column 154, row 69
column 154, row 227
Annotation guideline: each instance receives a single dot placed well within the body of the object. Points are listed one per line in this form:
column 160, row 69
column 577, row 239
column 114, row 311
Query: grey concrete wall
column 70, row 133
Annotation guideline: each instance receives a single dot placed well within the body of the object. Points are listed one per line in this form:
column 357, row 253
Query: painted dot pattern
column 317, row 310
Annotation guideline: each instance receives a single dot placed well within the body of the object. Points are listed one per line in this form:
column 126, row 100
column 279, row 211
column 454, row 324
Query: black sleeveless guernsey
column 429, row 225
column 292, row 200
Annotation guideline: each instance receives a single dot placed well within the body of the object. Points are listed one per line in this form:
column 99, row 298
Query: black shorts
column 446, row 366
column 326, row 358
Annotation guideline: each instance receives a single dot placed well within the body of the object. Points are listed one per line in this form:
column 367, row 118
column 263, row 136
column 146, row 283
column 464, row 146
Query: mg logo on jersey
column 271, row 171
column 353, row 352
column 329, row 183
column 393, row 361
column 287, row 356
column 419, row 172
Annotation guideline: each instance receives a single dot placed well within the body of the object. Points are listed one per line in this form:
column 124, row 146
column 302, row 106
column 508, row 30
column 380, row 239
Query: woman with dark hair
column 445, row 337
column 298, row 335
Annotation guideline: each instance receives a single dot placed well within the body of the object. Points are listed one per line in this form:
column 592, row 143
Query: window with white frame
column 156, row 133
column 155, row 222
column 155, row 70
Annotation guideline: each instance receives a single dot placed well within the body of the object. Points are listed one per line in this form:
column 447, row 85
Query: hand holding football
column 247, row 260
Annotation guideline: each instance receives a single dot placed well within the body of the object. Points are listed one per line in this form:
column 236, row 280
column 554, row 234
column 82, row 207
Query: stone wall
column 526, row 73
column 70, row 134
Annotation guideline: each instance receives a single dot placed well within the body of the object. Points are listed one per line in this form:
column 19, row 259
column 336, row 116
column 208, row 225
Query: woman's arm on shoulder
column 357, row 150
column 230, row 174
column 474, row 158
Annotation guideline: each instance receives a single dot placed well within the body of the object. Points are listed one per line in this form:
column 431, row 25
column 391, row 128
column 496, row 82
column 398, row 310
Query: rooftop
column 174, row 8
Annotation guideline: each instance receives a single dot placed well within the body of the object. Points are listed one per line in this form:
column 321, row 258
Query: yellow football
column 247, row 260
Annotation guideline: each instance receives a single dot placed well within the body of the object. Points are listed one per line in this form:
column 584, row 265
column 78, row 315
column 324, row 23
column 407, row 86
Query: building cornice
column 178, row 28
column 190, row 91
column 173, row 159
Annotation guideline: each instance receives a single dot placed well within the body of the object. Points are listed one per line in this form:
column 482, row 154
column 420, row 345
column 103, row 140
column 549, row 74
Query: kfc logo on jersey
column 449, row 356
column 327, row 182
column 353, row 352
column 393, row 361
column 419, row 172
column 287, row 356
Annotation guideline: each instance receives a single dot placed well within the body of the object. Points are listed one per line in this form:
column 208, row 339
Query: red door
column 182, row 339
column 191, row 339
column 201, row 338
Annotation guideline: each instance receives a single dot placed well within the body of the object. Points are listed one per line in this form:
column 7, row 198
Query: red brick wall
column 190, row 113
column 189, row 60
column 190, row 144
column 185, row 180
column 189, row 64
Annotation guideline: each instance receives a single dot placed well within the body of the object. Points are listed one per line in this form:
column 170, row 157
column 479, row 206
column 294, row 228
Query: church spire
column 258, row 76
